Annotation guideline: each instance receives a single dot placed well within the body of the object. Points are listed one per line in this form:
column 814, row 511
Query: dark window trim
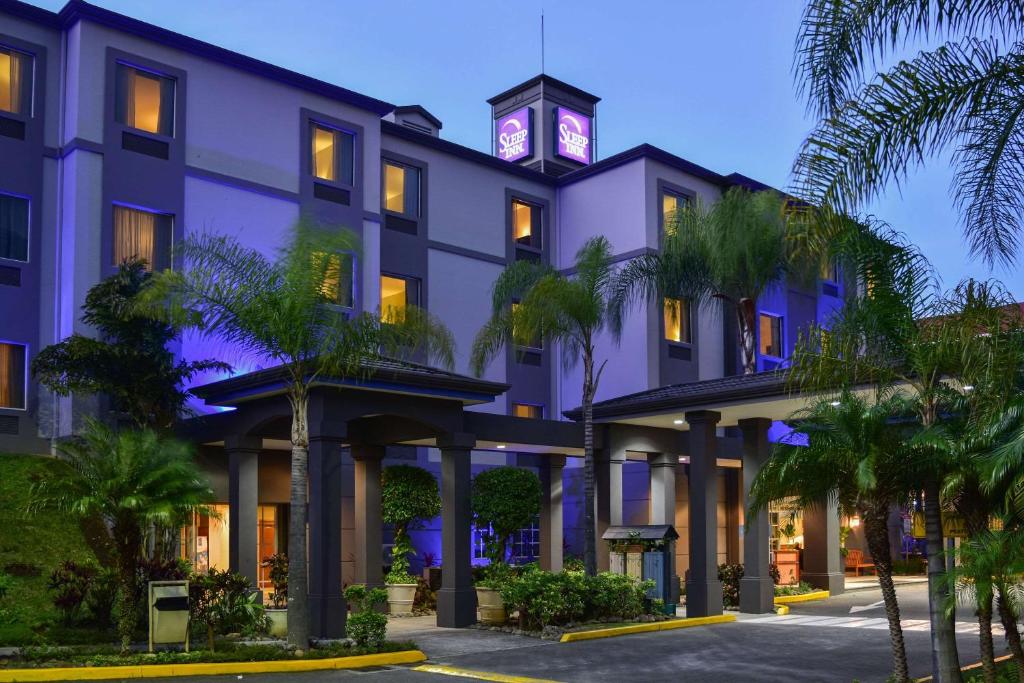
column 424, row 172
column 115, row 57
column 782, row 334
column 25, row 376
column 28, row 237
column 309, row 118
column 38, row 55
column 543, row 408
column 661, row 324
column 545, row 221
column 663, row 186
column 408, row 278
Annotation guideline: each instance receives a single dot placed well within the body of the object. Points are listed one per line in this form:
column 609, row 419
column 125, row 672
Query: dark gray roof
column 419, row 109
column 548, row 80
column 380, row 373
column 641, row 532
column 693, row 395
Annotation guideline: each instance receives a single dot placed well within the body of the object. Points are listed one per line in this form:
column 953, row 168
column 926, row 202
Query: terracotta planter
column 278, row 622
column 491, row 606
column 401, row 597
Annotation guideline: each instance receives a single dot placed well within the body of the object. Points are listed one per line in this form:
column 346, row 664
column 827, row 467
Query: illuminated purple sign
column 573, row 140
column 514, row 134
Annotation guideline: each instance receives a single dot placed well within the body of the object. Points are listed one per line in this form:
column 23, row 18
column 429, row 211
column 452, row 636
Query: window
column 143, row 235
column 526, row 224
column 267, row 540
column 145, row 101
column 677, row 320
column 338, row 278
column 15, row 81
column 397, row 293
column 528, row 410
column 13, row 228
column 401, row 189
column 535, row 343
column 829, row 271
column 771, row 335
column 12, row 375
column 671, row 204
column 332, row 154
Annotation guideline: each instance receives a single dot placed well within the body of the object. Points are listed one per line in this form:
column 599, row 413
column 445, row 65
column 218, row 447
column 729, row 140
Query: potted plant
column 409, row 496
column 277, row 613
column 504, row 500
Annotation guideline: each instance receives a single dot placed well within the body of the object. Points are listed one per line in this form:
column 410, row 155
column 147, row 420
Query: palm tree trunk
column 589, row 522
column 745, row 311
column 128, row 541
column 945, row 659
column 988, row 654
column 298, row 579
column 877, row 534
column 1009, row 621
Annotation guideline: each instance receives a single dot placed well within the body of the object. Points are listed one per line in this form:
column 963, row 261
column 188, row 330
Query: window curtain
column 13, row 228
column 16, row 81
column 12, row 376
column 134, row 236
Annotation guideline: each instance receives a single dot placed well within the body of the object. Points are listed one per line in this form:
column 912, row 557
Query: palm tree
column 962, row 98
column 281, row 312
column 854, row 454
column 733, row 252
column 131, row 479
column 532, row 301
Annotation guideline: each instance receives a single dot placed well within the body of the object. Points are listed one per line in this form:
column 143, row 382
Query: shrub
column 730, row 575
column 773, row 571
column 101, row 597
column 546, row 598
column 6, row 584
column 70, row 584
column 504, row 499
column 617, row 595
column 426, row 598
column 409, row 495
column 224, row 602
column 366, row 626
column 278, row 565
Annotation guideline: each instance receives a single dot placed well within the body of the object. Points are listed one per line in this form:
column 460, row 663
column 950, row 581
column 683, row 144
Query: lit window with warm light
column 141, row 235
column 770, row 335
column 15, row 81
column 338, row 278
column 829, row 271
column 332, row 152
column 12, row 375
column 677, row 320
column 527, row 410
column 396, row 294
column 401, row 189
column 145, row 100
column 526, row 224
column 671, row 205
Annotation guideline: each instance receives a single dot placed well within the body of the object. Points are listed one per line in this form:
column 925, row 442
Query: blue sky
column 709, row 80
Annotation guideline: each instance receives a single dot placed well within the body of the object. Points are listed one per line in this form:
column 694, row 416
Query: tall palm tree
column 132, row 479
column 280, row 312
column 732, row 252
column 962, row 98
column 532, row 302
column 853, row 453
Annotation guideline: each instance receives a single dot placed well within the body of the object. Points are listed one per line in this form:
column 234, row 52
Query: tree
column 281, row 312
column 531, row 302
column 854, row 454
column 408, row 496
column 962, row 98
column 131, row 478
column 733, row 252
column 504, row 500
column 129, row 361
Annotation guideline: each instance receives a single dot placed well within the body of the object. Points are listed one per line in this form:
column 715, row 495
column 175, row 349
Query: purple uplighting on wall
column 514, row 133
column 573, row 141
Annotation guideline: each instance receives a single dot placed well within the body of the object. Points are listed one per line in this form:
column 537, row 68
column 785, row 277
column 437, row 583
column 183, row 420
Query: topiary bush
column 504, row 499
column 409, row 496
column 366, row 626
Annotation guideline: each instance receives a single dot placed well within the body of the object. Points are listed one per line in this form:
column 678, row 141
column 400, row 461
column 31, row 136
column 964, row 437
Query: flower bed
column 801, row 588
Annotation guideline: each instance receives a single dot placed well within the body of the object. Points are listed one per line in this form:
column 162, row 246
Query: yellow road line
column 669, row 625
column 477, row 675
column 99, row 673
column 806, row 597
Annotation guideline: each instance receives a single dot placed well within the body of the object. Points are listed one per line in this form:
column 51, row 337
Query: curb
column 806, row 597
column 969, row 667
column 670, row 625
column 99, row 673
column 477, row 675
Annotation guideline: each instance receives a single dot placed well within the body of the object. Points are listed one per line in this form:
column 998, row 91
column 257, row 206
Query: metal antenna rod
column 542, row 40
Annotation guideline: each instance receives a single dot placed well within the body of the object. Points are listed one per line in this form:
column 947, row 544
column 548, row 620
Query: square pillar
column 327, row 609
column 608, row 465
column 369, row 524
column 551, row 526
column 757, row 590
column 243, row 505
column 703, row 589
column 456, row 601
column 662, row 469
column 823, row 563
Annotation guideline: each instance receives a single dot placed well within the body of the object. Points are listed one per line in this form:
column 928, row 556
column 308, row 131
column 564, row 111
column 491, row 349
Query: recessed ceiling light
column 501, row 445
column 677, row 422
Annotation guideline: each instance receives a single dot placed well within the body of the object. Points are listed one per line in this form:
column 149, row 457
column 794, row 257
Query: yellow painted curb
column 781, row 610
column 806, row 597
column 670, row 625
column 969, row 667
column 477, row 675
column 99, row 673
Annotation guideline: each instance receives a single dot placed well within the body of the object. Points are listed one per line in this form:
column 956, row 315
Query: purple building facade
column 119, row 138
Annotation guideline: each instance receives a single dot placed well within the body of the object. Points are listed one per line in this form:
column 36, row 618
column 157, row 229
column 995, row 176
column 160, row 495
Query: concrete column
column 757, row 590
column 662, row 468
column 551, row 527
column 608, row 465
column 456, row 601
column 823, row 563
column 703, row 589
column 369, row 526
column 733, row 501
column 243, row 504
column 327, row 609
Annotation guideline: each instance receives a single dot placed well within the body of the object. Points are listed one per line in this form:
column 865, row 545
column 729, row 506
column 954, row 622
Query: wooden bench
column 855, row 562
